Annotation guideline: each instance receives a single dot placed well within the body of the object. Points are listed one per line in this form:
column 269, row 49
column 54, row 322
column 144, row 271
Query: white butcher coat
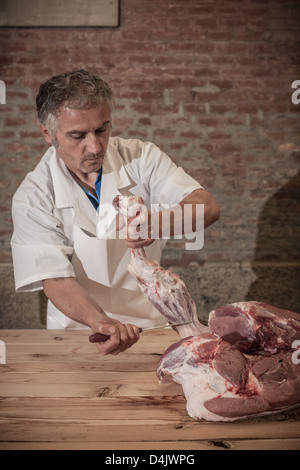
column 59, row 233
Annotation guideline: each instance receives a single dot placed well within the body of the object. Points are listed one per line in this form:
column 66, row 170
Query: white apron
column 100, row 264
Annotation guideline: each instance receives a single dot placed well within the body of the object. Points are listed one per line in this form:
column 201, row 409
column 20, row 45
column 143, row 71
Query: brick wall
column 207, row 81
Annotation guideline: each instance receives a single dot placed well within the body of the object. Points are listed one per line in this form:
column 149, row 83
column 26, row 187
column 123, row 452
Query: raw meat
column 164, row 289
column 128, row 206
column 241, row 365
column 252, row 326
column 167, row 292
column 221, row 383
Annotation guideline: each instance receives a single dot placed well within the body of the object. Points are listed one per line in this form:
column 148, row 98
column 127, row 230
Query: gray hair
column 76, row 90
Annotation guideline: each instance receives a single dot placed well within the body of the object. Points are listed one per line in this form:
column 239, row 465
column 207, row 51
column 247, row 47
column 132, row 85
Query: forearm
column 188, row 215
column 76, row 303
column 211, row 207
column 73, row 300
column 193, row 214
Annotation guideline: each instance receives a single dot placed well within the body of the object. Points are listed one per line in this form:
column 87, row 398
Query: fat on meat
column 222, row 383
column 241, row 365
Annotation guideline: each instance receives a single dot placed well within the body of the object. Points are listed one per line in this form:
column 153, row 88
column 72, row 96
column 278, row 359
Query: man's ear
column 46, row 134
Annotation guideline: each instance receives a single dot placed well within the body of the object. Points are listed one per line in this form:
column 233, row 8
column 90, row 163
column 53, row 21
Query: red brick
column 25, row 108
column 7, row 134
column 16, row 171
column 13, row 46
column 234, row 170
column 145, row 121
column 12, row 122
column 16, row 94
column 29, row 135
column 17, row 147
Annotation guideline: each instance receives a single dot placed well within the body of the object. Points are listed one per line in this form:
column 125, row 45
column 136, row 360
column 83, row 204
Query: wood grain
column 58, row 392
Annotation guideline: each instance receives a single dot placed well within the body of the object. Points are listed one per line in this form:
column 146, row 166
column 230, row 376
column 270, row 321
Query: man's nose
column 94, row 144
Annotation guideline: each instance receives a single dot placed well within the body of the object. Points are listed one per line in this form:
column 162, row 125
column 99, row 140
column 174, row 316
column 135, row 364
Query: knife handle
column 100, row 338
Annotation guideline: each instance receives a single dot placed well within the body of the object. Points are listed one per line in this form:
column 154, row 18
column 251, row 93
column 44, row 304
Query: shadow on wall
column 276, row 263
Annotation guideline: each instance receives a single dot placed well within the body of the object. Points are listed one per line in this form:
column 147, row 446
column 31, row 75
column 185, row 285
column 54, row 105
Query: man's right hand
column 75, row 302
column 121, row 336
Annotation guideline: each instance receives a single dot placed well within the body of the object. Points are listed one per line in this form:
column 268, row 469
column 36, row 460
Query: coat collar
column 114, row 164
column 65, row 188
column 68, row 194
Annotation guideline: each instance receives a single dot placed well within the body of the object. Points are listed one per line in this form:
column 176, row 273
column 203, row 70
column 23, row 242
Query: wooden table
column 58, row 392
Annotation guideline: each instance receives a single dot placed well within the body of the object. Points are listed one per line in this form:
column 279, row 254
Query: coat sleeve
column 40, row 248
column 167, row 183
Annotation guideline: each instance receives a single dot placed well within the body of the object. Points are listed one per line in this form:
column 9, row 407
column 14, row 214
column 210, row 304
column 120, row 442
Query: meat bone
column 100, row 338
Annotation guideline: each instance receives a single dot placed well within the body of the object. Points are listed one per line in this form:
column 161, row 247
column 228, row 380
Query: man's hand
column 137, row 230
column 75, row 302
column 121, row 336
column 142, row 226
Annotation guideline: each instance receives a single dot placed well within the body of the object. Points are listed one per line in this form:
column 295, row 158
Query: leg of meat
column 167, row 292
column 164, row 289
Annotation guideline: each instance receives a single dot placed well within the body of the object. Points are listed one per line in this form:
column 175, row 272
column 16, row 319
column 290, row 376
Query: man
column 63, row 213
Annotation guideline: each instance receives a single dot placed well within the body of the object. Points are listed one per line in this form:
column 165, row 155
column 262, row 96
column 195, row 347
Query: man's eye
column 78, row 137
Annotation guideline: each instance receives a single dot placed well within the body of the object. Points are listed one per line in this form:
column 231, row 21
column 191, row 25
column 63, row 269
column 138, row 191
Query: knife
column 100, row 338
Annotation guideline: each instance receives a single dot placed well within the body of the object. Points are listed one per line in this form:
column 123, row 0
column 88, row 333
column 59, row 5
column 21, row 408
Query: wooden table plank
column 197, row 445
column 143, row 429
column 61, row 393
column 168, row 411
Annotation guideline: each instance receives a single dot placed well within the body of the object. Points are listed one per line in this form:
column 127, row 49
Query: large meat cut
column 226, row 380
column 239, row 366
column 242, row 364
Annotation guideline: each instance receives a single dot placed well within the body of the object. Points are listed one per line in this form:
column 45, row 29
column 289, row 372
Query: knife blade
column 100, row 338
column 168, row 325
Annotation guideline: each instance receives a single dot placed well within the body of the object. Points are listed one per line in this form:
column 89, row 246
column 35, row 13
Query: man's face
column 82, row 137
